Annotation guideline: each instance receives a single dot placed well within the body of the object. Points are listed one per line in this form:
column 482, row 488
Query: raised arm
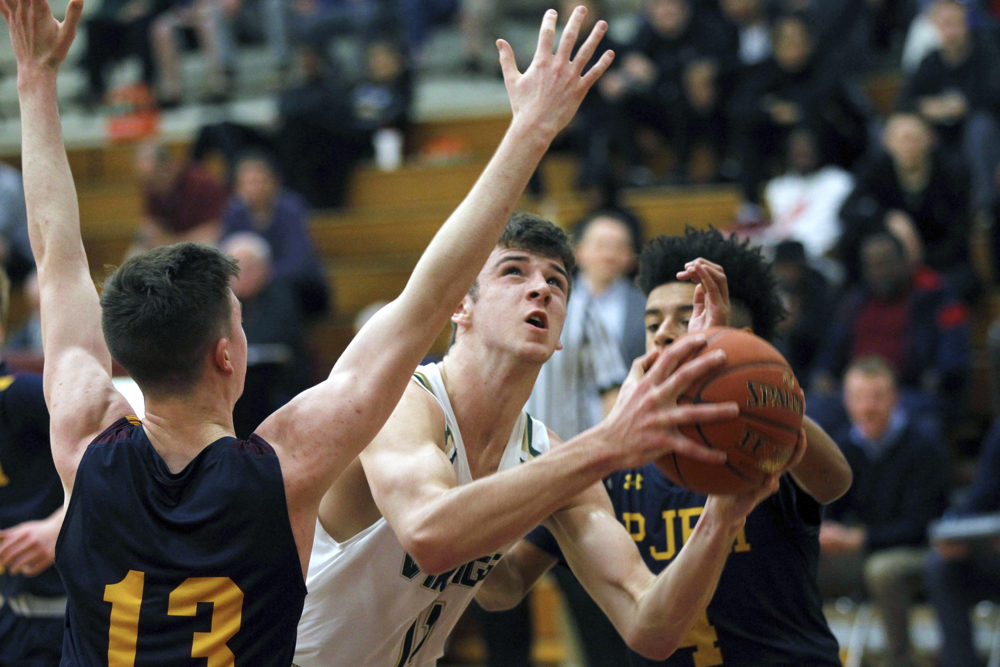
column 78, row 389
column 328, row 425
column 442, row 525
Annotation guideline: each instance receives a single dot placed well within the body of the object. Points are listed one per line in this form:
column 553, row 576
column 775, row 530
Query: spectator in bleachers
column 205, row 17
column 804, row 202
column 117, row 30
column 875, row 536
column 668, row 80
column 273, row 325
column 15, row 249
column 791, row 89
column 842, row 28
column 262, row 206
column 911, row 184
column 607, row 245
column 750, row 33
column 959, row 574
column 809, row 307
column 904, row 314
column 327, row 124
column 183, row 202
column 956, row 88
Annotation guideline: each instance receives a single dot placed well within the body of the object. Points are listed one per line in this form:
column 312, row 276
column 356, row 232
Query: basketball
column 759, row 441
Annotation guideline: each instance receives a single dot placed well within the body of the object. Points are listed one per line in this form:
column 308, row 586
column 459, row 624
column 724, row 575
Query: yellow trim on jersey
column 6, row 381
column 133, row 420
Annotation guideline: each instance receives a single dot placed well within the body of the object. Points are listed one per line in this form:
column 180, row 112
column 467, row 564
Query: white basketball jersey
column 369, row 605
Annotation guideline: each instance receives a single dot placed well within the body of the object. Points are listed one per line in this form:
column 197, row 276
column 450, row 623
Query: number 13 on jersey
column 227, row 613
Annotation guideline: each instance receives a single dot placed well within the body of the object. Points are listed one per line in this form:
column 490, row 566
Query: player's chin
column 537, row 351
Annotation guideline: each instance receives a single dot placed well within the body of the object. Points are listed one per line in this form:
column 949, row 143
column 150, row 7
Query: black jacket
column 898, row 493
column 940, row 213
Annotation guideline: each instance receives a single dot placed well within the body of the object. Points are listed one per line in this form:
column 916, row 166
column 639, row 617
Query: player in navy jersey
column 181, row 543
column 32, row 598
column 767, row 609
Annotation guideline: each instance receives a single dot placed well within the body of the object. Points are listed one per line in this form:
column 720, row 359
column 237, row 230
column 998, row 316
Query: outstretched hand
column 39, row 41
column 550, row 91
column 711, row 296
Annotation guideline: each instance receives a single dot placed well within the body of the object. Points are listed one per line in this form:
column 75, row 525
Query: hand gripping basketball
column 646, row 420
column 764, row 439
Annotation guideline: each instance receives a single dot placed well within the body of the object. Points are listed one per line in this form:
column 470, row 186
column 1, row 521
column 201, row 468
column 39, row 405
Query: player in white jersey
column 371, row 602
column 409, row 532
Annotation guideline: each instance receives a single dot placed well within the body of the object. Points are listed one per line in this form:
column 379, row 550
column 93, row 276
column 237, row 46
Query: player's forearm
column 473, row 520
column 667, row 610
column 504, row 588
column 458, row 251
column 50, row 195
column 823, row 472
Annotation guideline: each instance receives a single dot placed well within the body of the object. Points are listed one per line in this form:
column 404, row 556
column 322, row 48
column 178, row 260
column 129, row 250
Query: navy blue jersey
column 171, row 569
column 767, row 609
column 29, row 485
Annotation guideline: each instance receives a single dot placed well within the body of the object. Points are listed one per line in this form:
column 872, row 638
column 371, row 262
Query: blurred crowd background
column 856, row 141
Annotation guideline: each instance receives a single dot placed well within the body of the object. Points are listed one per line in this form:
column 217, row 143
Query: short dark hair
column 534, row 234
column 751, row 283
column 162, row 310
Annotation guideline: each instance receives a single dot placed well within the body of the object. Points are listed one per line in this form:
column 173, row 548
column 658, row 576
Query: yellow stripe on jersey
column 6, row 381
column 133, row 420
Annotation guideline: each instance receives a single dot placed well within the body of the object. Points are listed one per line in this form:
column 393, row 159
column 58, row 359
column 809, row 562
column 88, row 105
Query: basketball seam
column 730, row 369
column 769, row 422
column 708, row 444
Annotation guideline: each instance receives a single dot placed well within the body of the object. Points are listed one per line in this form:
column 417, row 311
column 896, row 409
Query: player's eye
column 652, row 327
column 512, row 271
column 558, row 283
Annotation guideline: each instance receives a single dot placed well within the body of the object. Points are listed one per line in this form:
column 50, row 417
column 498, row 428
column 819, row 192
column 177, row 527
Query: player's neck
column 179, row 428
column 487, row 392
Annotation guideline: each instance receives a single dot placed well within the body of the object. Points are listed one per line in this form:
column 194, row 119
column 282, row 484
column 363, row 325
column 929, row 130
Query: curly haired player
column 767, row 609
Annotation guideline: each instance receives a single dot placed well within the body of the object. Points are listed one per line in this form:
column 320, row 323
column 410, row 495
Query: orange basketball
column 759, row 441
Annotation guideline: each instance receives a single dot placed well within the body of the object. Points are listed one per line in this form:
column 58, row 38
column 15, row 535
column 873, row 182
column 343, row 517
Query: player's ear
column 463, row 312
column 222, row 356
